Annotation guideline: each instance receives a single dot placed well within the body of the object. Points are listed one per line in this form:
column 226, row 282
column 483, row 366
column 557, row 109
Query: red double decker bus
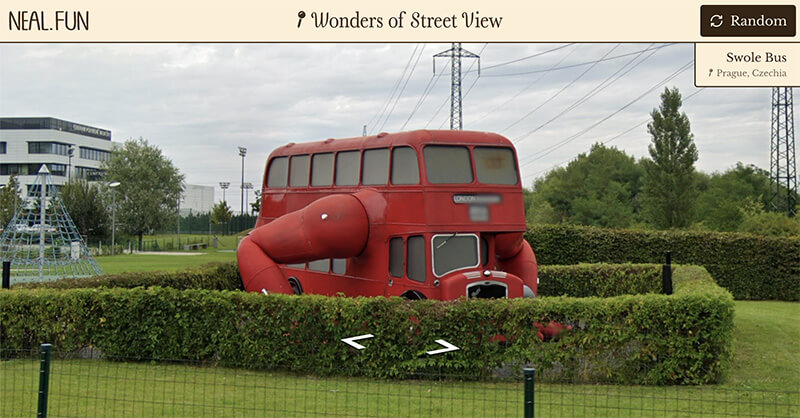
column 421, row 214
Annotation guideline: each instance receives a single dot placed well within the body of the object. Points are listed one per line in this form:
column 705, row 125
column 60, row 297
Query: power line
column 613, row 138
column 542, row 75
column 439, row 109
column 394, row 89
column 421, row 51
column 616, row 76
column 528, row 57
column 611, row 58
column 559, row 144
column 568, row 85
column 431, row 84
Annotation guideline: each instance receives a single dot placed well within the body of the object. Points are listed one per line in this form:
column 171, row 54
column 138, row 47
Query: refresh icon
column 715, row 21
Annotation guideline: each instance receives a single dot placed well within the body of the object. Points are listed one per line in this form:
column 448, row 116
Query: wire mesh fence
column 88, row 384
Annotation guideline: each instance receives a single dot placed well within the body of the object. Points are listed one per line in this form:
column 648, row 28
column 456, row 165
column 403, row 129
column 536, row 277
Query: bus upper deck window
column 322, row 169
column 495, row 165
column 347, row 168
column 376, row 167
column 278, row 172
column 405, row 169
column 298, row 171
column 448, row 164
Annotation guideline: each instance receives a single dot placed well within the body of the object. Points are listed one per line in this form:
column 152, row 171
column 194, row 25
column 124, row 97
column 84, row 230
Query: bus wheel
column 295, row 284
column 413, row 295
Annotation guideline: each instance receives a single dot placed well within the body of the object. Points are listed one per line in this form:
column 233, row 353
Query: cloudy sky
column 199, row 102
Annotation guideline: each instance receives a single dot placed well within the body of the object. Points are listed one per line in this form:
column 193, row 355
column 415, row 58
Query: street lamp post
column 69, row 167
column 242, row 152
column 113, row 185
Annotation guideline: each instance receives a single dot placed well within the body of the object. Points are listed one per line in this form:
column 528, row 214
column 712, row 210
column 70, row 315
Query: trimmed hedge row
column 213, row 276
column 751, row 267
column 684, row 338
column 602, row 280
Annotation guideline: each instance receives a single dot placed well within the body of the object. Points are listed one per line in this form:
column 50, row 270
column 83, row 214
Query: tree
column 255, row 207
column 670, row 182
column 723, row 196
column 221, row 213
column 89, row 211
column 10, row 200
column 147, row 197
column 600, row 188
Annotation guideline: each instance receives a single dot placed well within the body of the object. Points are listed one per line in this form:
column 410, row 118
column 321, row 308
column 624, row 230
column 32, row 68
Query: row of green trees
column 607, row 187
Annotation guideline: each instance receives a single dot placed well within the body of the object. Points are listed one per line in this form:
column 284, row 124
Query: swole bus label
column 472, row 198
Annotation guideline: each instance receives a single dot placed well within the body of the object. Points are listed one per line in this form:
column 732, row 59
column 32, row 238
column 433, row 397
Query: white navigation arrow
column 352, row 341
column 447, row 348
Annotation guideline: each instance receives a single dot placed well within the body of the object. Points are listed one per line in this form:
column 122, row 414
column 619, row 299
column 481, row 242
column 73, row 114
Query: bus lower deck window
column 396, row 255
column 416, row 258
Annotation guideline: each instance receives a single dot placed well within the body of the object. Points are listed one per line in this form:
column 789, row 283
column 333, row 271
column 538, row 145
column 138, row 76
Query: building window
column 94, row 154
column 58, row 169
column 2, row 147
column 56, row 148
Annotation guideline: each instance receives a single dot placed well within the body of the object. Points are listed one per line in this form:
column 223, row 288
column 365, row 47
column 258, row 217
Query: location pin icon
column 301, row 15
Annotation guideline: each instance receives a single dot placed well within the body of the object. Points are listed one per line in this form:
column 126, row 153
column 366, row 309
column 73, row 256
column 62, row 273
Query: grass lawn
column 120, row 263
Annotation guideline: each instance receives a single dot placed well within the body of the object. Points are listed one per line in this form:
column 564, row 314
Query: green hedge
column 214, row 276
column 684, row 338
column 603, row 280
column 751, row 267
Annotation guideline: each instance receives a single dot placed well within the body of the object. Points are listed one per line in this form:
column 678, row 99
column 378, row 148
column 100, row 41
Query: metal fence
column 86, row 384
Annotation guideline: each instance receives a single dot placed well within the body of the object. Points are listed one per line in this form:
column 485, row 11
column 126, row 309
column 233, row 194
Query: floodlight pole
column 242, row 152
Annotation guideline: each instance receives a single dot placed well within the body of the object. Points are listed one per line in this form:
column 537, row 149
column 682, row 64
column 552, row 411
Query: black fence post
column 530, row 380
column 44, row 378
column 6, row 274
column 666, row 275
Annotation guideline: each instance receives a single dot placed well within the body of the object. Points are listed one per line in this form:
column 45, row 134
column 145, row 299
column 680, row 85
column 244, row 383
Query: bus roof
column 383, row 139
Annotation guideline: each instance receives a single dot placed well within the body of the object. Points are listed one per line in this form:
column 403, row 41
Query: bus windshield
column 454, row 252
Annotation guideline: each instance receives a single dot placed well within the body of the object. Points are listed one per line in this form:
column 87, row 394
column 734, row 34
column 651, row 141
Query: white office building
column 68, row 149
column 197, row 199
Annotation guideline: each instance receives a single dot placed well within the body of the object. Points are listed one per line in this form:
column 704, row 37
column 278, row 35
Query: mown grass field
column 225, row 251
column 764, row 380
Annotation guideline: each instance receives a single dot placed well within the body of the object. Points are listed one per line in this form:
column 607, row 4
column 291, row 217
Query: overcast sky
column 199, row 102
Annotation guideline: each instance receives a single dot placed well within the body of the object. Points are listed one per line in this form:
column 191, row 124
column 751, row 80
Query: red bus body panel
column 354, row 225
